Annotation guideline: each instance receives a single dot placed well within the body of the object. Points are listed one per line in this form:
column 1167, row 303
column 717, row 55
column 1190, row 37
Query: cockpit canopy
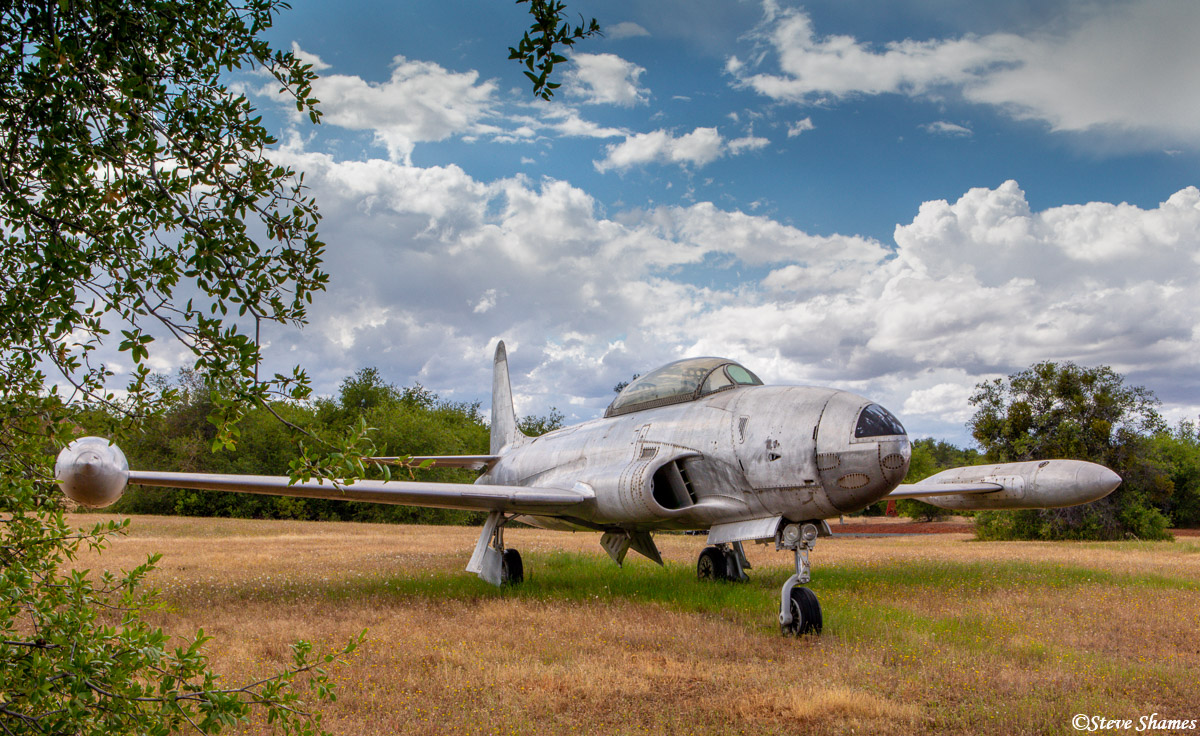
column 683, row 380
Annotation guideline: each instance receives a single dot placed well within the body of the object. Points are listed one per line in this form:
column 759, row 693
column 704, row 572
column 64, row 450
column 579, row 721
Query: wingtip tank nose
column 92, row 471
column 1096, row 481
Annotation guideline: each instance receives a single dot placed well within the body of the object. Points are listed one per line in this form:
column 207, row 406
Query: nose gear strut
column 799, row 611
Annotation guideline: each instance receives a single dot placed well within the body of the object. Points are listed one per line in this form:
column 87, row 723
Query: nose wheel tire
column 712, row 565
column 806, row 614
column 511, row 569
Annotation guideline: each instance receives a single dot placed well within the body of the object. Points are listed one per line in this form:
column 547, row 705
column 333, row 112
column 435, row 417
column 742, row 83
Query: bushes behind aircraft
column 410, row 420
column 1160, row 465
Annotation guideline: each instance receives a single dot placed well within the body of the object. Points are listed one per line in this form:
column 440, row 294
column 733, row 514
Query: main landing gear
column 491, row 560
column 799, row 610
column 511, row 569
column 723, row 562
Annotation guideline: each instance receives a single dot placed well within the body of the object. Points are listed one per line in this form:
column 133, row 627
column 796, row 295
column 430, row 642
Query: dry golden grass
column 927, row 634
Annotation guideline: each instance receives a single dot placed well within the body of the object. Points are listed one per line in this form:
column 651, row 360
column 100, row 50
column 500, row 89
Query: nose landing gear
column 799, row 611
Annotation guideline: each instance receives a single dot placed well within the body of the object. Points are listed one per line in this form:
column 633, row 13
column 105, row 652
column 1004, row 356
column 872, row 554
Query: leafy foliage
column 621, row 385
column 1067, row 411
column 135, row 195
column 534, row 426
column 550, row 29
column 1177, row 451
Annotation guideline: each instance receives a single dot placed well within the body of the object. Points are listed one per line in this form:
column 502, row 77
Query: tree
column 137, row 198
column 1064, row 410
column 621, row 385
column 1178, row 452
column 534, row 426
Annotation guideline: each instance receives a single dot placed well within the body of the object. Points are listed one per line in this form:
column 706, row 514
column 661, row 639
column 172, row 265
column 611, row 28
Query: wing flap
column 919, row 490
column 464, row 496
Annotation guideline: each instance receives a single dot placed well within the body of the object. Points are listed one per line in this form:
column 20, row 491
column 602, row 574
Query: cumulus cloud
column 948, row 400
column 971, row 288
column 421, row 101
column 424, row 102
column 1123, row 67
column 699, row 148
column 605, row 79
column 813, row 68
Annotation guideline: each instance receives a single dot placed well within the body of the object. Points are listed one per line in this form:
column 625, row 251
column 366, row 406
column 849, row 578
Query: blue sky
column 897, row 198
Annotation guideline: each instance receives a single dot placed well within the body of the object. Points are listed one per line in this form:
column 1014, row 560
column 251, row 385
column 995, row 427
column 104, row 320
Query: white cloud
column 949, row 400
column 800, row 126
column 814, row 68
column 626, row 29
column 605, row 79
column 566, row 121
column 747, row 143
column 310, row 59
column 699, row 148
column 1131, row 67
column 430, row 266
column 942, row 127
column 486, row 302
column 1120, row 68
column 421, row 101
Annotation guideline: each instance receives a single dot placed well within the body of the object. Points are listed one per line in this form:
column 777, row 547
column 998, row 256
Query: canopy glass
column 683, row 380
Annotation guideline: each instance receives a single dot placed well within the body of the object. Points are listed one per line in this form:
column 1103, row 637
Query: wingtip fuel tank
column 1034, row 484
column 92, row 471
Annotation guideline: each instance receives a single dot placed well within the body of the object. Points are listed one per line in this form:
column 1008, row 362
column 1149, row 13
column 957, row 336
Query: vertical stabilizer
column 504, row 419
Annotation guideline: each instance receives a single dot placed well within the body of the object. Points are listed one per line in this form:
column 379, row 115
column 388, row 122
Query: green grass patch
column 977, row 577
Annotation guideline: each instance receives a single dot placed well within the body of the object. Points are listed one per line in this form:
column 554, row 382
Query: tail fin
column 504, row 418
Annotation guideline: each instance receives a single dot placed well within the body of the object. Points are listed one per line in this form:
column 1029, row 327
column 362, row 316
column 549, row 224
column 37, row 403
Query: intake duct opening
column 672, row 487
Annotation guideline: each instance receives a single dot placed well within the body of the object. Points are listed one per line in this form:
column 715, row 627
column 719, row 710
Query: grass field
column 923, row 634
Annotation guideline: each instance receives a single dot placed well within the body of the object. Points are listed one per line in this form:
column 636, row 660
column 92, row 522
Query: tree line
column 401, row 421
column 1048, row 411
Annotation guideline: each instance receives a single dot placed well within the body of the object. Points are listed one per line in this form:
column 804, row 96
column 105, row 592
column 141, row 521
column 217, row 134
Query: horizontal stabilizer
column 473, row 462
column 926, row 490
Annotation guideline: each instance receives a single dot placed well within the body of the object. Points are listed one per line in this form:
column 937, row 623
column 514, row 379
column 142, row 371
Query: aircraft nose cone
column 1096, row 481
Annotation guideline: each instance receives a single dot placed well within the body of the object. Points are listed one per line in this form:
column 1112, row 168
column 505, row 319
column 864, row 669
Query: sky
column 898, row 198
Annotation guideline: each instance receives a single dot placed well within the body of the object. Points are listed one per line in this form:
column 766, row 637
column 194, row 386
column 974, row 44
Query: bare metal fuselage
column 746, row 453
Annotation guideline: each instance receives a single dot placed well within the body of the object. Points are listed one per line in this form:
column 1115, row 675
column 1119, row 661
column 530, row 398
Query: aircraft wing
column 465, row 496
column 474, row 462
column 926, row 490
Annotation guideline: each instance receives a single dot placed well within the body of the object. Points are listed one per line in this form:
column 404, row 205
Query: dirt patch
column 957, row 525
column 890, row 525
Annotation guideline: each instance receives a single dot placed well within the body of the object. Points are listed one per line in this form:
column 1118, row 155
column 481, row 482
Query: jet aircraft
column 699, row 444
